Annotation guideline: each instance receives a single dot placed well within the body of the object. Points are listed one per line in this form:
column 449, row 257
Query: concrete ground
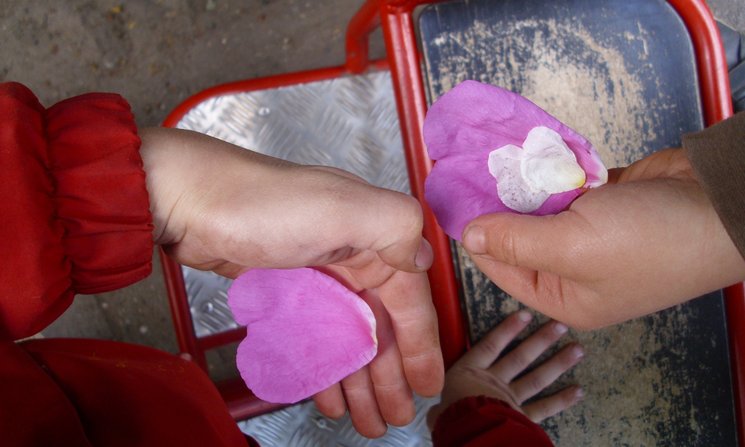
column 156, row 53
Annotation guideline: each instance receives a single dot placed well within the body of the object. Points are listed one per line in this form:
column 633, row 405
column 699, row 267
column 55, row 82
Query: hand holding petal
column 465, row 132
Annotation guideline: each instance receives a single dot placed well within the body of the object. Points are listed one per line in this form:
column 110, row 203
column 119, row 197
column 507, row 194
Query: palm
column 487, row 370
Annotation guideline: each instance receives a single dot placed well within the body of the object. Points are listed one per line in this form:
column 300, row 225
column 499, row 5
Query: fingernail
column 560, row 328
column 424, row 257
column 524, row 316
column 578, row 352
column 579, row 393
column 475, row 240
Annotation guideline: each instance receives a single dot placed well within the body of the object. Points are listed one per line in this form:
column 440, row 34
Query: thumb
column 538, row 243
column 391, row 224
column 399, row 256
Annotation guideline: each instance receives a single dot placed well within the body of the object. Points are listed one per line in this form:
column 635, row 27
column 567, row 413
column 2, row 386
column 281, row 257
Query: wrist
column 154, row 157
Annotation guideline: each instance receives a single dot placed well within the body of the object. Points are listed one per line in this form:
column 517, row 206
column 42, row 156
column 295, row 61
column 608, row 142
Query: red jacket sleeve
column 75, row 214
column 485, row 422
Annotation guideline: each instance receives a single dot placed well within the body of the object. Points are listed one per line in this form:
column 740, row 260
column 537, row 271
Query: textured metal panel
column 349, row 123
column 208, row 301
column 303, row 425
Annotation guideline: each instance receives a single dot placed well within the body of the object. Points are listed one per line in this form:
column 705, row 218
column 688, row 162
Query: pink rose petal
column 305, row 332
column 460, row 130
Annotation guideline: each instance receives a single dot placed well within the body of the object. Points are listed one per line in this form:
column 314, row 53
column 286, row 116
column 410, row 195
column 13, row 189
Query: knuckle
column 490, row 345
column 411, row 213
column 535, row 383
column 507, row 246
column 398, row 211
column 520, row 360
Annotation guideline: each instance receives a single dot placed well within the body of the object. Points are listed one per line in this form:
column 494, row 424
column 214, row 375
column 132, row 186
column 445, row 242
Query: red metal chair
column 403, row 60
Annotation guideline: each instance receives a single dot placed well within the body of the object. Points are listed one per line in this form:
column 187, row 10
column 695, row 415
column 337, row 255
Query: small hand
column 218, row 207
column 482, row 372
column 648, row 240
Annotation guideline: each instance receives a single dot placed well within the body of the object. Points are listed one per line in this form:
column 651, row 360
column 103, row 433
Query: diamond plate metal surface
column 303, row 425
column 208, row 301
column 349, row 123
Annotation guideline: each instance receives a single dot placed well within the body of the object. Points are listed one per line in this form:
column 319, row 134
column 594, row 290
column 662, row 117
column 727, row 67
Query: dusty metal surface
column 208, row 301
column 622, row 74
column 349, row 123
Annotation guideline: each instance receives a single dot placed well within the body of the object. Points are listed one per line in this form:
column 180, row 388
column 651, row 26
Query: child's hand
column 218, row 207
column 482, row 372
column 648, row 240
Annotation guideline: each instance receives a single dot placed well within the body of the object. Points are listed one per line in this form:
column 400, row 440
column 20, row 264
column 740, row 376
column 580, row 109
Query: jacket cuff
column 717, row 155
column 100, row 196
column 481, row 421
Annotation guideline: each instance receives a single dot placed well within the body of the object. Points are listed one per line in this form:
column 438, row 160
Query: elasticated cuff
column 483, row 421
column 100, row 194
column 75, row 215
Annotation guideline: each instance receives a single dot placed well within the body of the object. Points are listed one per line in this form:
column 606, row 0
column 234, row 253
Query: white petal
column 512, row 189
column 499, row 159
column 548, row 163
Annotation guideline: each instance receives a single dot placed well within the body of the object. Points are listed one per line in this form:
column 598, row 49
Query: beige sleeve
column 717, row 155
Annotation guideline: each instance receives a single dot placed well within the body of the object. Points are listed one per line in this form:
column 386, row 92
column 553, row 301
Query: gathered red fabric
column 75, row 219
column 481, row 421
column 72, row 185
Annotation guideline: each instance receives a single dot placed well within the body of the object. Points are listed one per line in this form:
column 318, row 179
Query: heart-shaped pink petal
column 305, row 332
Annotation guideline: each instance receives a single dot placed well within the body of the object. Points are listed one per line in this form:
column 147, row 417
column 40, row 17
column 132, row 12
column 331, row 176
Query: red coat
column 75, row 219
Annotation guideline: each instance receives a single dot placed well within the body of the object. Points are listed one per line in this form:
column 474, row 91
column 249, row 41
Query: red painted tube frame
column 711, row 61
column 404, row 60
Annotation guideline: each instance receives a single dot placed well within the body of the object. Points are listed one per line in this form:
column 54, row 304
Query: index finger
column 406, row 297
